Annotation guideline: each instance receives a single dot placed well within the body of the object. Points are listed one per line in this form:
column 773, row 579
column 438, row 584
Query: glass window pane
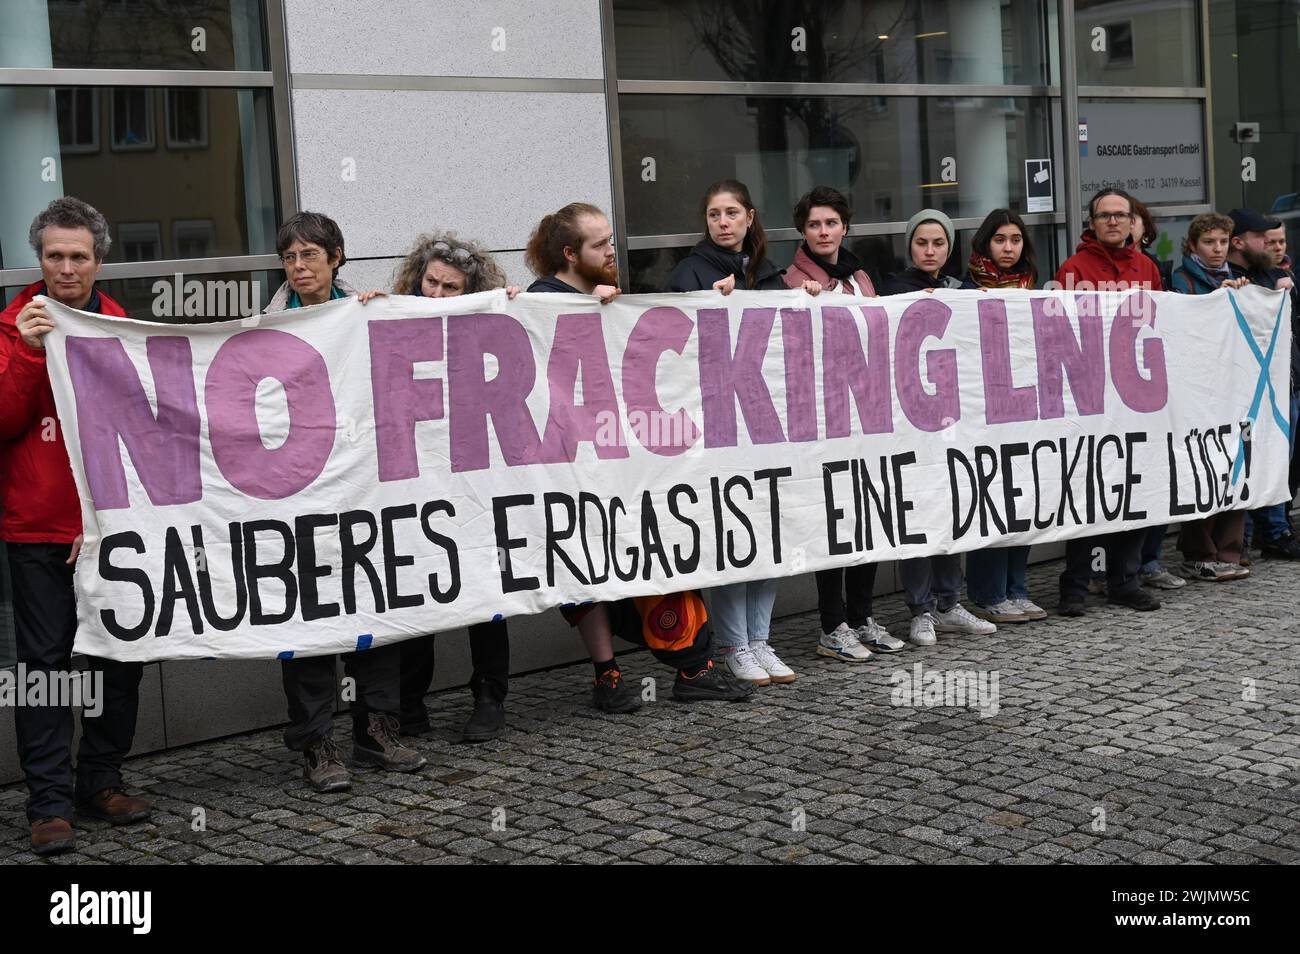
column 218, row 166
column 892, row 156
column 843, row 41
column 135, row 34
column 1122, row 43
column 1252, row 44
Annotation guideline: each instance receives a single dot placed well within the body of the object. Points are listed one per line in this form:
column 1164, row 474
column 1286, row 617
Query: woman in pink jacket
column 822, row 217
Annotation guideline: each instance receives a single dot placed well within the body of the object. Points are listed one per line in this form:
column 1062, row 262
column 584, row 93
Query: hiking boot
column 115, row 807
column 415, row 721
column 709, row 684
column 1138, row 599
column 50, row 836
column 323, row 767
column 1072, row 606
column 609, row 693
column 1283, row 548
column 380, row 748
column 487, row 721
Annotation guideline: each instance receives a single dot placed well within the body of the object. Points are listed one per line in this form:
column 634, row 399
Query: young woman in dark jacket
column 932, row 585
column 733, row 254
column 1002, row 256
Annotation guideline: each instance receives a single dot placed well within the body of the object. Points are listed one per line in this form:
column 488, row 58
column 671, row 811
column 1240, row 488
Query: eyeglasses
column 462, row 257
column 307, row 257
column 1112, row 216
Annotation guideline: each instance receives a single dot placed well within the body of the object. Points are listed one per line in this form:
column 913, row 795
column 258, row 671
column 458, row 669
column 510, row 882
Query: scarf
column 842, row 269
column 985, row 273
column 335, row 294
column 1219, row 275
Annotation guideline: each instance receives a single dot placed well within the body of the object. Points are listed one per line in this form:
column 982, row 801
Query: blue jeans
column 997, row 573
column 931, row 583
column 741, row 613
column 1272, row 520
column 1152, row 544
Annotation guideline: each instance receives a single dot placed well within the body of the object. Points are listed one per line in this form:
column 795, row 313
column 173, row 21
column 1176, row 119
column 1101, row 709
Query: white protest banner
column 343, row 475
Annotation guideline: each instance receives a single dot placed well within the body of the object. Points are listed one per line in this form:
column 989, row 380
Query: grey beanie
column 928, row 215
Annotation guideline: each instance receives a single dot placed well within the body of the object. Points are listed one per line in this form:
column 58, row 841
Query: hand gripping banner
column 348, row 475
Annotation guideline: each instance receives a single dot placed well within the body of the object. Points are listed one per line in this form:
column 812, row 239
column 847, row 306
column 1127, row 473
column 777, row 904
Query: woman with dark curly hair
column 443, row 266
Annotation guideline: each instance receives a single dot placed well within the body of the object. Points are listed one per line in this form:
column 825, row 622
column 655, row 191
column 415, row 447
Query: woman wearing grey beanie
column 931, row 585
column 929, row 244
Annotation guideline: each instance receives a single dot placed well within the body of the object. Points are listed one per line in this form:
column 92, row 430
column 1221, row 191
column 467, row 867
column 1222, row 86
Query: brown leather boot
column 380, row 748
column 116, row 807
column 52, row 835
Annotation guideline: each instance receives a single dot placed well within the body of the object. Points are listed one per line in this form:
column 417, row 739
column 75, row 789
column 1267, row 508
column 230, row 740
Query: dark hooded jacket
column 912, row 279
column 708, row 263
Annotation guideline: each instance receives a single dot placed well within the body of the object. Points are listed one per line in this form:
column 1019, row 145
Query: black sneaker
column 609, row 693
column 1072, row 606
column 711, row 683
column 1138, row 599
column 1283, row 548
column 486, row 721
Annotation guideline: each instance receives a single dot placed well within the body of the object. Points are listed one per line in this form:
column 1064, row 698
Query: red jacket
column 38, row 497
column 1095, row 263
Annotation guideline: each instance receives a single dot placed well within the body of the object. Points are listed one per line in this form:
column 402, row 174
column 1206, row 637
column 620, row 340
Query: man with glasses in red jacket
column 1106, row 259
column 41, row 528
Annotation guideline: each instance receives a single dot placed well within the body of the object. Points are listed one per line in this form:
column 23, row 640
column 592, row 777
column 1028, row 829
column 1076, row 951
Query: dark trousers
column 1216, row 538
column 311, row 688
column 844, row 595
column 489, row 648
column 1123, row 560
column 45, row 623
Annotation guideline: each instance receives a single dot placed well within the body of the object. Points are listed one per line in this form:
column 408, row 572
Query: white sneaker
column 1031, row 609
column 842, row 644
column 745, row 667
column 959, row 620
column 767, row 658
column 1004, row 612
column 922, row 633
column 877, row 637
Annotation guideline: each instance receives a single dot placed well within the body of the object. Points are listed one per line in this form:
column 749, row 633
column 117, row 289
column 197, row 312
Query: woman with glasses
column 311, row 247
column 443, row 266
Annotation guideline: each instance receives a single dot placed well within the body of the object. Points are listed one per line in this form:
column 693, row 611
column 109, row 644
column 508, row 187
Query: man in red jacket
column 41, row 527
column 1107, row 260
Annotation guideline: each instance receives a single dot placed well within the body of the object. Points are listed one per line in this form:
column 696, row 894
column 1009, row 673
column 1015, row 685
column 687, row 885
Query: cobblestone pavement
column 1119, row 737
